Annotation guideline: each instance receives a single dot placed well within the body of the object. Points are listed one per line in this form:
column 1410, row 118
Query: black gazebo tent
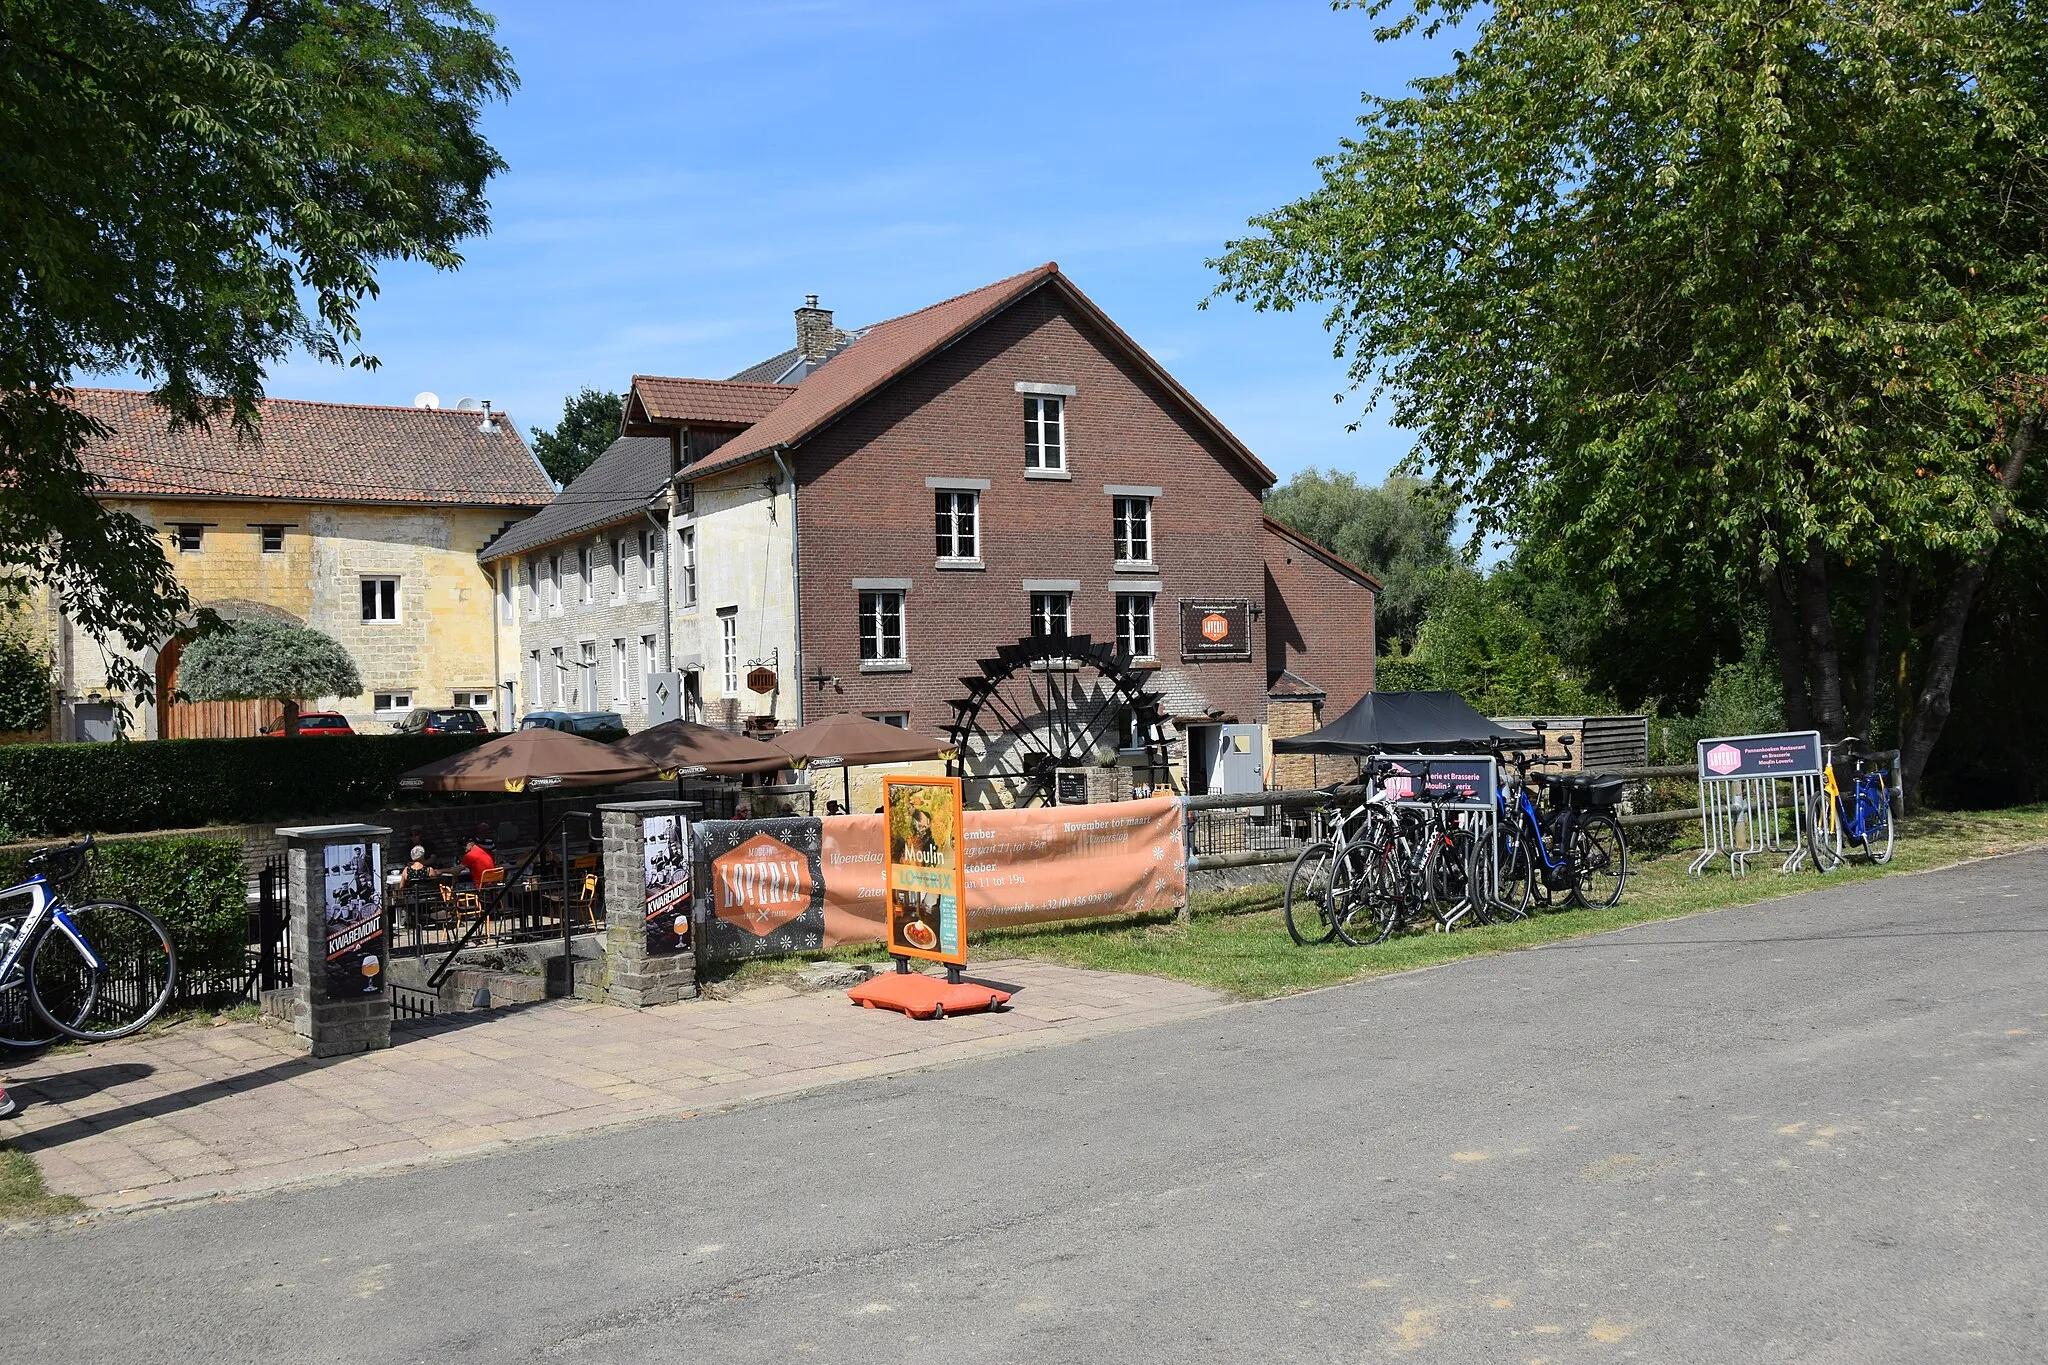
column 1408, row 722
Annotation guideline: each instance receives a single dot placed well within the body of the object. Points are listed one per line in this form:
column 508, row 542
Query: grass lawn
column 1236, row 941
column 22, row 1192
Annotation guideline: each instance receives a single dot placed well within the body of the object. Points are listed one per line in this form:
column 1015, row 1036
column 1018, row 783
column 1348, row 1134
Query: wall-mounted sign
column 1070, row 789
column 924, row 873
column 1215, row 629
column 1796, row 754
column 351, row 888
column 665, row 848
column 761, row 680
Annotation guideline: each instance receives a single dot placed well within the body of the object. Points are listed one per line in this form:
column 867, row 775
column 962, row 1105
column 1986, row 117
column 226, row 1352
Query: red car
column 314, row 723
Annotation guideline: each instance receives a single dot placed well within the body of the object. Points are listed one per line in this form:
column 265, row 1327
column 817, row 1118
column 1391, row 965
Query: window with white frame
column 622, row 674
column 650, row 660
column 585, row 573
column 508, row 585
column 380, row 599
column 555, row 584
column 649, row 544
column 729, row 648
column 619, row 574
column 1045, row 432
column 561, row 675
column 531, row 569
column 479, row 701
column 957, row 514
column 1131, row 529
column 686, row 545
column 387, row 702
column 1052, row 613
column 899, row 719
column 881, row 627
column 586, row 673
column 539, row 691
column 1134, row 624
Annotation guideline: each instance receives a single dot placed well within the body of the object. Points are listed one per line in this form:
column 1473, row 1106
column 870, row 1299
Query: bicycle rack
column 1745, row 783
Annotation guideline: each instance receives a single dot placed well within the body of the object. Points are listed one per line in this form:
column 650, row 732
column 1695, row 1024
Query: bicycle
column 94, row 972
column 1578, row 848
column 1307, row 906
column 1862, row 814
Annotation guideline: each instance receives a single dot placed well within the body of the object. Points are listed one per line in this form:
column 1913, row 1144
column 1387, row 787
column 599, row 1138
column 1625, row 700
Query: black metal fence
column 1251, row 829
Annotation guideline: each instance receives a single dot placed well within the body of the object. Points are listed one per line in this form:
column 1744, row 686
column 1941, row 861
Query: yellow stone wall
column 442, row 642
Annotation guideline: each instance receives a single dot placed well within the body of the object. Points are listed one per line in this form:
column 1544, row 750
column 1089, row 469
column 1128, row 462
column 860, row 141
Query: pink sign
column 1724, row 758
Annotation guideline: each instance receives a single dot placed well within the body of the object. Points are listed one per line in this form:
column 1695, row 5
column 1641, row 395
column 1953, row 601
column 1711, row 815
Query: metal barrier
column 1746, row 782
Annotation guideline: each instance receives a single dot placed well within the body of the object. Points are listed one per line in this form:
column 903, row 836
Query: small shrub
column 196, row 885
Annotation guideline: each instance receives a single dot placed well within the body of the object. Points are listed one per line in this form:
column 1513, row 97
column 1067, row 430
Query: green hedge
column 196, row 885
column 55, row 789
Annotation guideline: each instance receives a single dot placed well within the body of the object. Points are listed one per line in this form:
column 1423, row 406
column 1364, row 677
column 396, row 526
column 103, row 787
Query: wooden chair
column 586, row 899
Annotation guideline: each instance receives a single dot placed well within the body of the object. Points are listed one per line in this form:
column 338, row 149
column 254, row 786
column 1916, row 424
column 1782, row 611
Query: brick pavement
column 229, row 1109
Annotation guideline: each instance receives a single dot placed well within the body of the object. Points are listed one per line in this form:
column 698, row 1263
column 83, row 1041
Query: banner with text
column 1028, row 866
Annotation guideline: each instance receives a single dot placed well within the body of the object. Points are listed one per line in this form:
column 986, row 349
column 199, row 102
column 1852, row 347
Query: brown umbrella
column 687, row 748
column 849, row 741
column 529, row 761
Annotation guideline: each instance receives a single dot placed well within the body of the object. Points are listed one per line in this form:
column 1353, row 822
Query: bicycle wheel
column 1598, row 855
column 1448, row 875
column 1308, row 895
column 130, row 985
column 1363, row 902
column 1877, row 822
column 1824, row 833
column 20, row 1025
column 1509, row 899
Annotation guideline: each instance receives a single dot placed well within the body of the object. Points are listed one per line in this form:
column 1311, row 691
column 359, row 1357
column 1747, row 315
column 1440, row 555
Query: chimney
column 815, row 335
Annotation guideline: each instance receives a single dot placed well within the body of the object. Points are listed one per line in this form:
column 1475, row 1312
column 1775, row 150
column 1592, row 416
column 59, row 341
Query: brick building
column 868, row 515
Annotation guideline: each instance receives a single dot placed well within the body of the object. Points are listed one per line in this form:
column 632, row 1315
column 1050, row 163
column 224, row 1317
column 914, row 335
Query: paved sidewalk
column 203, row 1111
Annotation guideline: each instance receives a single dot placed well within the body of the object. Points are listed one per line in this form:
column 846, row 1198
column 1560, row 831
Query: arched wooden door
column 203, row 719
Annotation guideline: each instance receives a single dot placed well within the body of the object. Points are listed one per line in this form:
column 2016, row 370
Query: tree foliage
column 190, row 190
column 264, row 660
column 1708, row 284
column 589, row 425
column 25, row 687
column 1400, row 532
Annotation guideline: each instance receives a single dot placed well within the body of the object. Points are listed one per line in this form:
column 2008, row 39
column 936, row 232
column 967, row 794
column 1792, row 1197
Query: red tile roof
column 888, row 349
column 313, row 452
column 713, row 402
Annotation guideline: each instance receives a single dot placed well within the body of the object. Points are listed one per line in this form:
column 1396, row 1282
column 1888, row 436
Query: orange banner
column 1023, row 866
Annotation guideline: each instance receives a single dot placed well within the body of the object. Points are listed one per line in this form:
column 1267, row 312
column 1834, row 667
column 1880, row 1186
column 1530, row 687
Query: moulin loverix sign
column 1794, row 754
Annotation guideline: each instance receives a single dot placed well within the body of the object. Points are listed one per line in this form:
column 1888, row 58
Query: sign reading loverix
column 1793, row 754
column 767, row 886
column 1215, row 629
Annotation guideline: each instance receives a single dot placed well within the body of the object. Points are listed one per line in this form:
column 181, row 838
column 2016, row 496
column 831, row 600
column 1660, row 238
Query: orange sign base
column 925, row 997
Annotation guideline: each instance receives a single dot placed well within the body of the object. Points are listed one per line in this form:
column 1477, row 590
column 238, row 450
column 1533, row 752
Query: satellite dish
column 468, row 405
column 426, row 398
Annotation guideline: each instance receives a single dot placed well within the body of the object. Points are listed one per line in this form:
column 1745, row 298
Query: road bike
column 94, row 971
column 1860, row 817
column 1577, row 848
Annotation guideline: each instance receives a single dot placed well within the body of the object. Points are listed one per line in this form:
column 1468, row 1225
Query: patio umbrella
column 687, row 748
column 849, row 741
column 529, row 761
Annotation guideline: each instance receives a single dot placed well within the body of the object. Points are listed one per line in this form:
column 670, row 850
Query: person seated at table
column 477, row 860
column 416, row 870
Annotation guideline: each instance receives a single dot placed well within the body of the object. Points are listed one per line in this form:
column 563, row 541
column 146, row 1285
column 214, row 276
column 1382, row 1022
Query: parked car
column 314, row 723
column 603, row 726
column 442, row 720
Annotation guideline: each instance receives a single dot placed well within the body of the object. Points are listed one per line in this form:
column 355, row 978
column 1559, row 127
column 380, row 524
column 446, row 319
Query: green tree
column 1400, row 532
column 1482, row 643
column 264, row 660
column 1710, row 285
column 589, row 425
column 25, row 688
column 190, row 190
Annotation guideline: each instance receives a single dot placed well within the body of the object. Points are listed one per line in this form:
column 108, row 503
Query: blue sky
column 681, row 175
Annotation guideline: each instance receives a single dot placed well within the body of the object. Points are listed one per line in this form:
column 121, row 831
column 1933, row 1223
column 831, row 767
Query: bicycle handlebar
column 59, row 862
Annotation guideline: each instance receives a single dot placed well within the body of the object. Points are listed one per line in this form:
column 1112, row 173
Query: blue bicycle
column 95, row 971
column 1577, row 848
column 1859, row 816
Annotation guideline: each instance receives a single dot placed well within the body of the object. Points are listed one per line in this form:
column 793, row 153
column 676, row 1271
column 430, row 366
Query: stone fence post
column 339, row 945
column 650, row 958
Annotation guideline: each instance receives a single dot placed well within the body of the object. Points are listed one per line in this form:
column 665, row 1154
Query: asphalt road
column 1812, row 1130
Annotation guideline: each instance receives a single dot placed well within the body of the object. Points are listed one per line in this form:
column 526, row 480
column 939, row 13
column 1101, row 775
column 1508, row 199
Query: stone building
column 363, row 522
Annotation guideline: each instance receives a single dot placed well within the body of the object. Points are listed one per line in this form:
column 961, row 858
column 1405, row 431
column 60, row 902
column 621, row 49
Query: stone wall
column 603, row 612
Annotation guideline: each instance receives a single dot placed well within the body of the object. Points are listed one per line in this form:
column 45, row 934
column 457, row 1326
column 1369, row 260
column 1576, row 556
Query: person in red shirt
column 478, row 860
